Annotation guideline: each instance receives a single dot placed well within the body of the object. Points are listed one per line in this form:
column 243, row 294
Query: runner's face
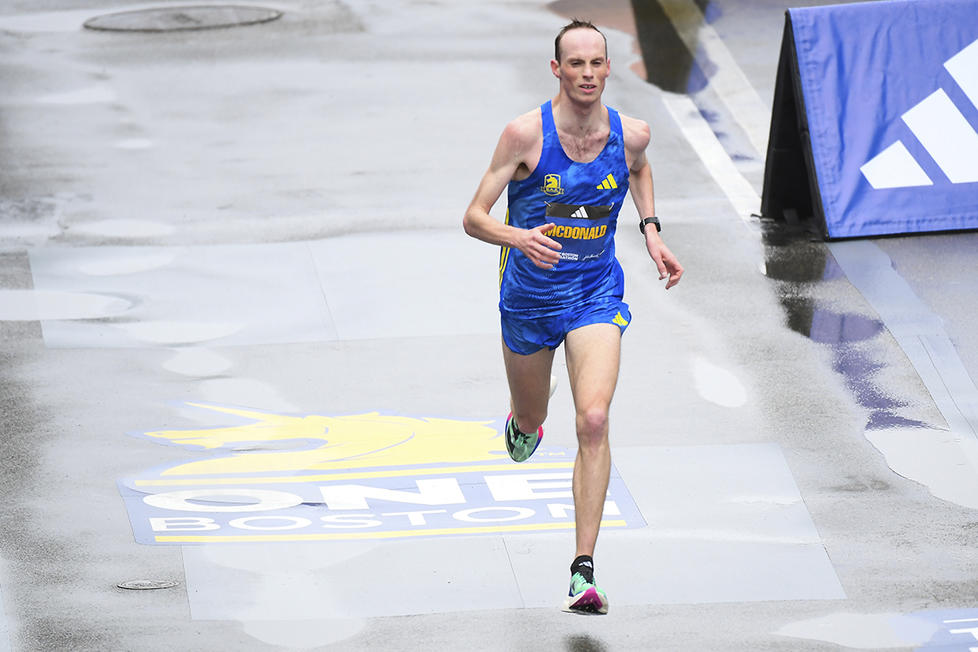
column 583, row 66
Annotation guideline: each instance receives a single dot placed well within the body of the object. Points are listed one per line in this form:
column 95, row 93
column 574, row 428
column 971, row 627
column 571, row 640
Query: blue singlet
column 583, row 200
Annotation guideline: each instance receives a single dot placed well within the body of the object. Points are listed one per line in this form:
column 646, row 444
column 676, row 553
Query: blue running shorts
column 529, row 334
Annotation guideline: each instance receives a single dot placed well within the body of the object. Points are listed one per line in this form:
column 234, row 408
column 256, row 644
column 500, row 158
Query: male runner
column 568, row 165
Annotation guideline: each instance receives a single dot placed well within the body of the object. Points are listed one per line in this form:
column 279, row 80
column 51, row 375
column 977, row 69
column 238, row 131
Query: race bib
column 581, row 230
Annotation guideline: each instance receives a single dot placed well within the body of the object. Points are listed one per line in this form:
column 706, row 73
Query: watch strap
column 649, row 220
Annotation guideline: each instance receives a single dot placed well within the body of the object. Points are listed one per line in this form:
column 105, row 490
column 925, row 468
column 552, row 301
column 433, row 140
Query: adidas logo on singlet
column 608, row 184
column 580, row 213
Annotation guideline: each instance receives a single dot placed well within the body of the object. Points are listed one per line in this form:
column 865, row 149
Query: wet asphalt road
column 232, row 260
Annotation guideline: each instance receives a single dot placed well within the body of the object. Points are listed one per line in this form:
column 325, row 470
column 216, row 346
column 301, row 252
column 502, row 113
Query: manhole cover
column 146, row 585
column 171, row 19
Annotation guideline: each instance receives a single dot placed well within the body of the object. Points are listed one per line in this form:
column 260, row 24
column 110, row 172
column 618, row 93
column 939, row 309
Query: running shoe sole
column 588, row 602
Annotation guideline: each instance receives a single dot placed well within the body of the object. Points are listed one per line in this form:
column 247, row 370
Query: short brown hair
column 577, row 23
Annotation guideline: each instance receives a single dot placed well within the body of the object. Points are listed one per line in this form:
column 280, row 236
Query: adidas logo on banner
column 581, row 213
column 608, row 184
column 943, row 131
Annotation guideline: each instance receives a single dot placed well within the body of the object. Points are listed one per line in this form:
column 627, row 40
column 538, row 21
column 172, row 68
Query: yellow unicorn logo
column 551, row 185
column 323, row 443
column 311, row 478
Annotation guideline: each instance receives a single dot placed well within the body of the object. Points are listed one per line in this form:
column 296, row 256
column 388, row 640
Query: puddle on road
column 717, row 385
column 124, row 264
column 930, row 454
column 944, row 629
column 798, row 266
column 178, row 332
column 199, row 363
column 863, row 631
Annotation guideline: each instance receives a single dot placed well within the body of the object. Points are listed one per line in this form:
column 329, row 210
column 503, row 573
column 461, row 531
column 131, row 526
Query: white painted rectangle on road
column 355, row 287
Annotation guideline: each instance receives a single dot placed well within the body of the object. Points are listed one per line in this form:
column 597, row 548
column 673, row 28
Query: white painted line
column 42, row 305
column 718, row 163
column 930, row 375
column 729, row 82
column 970, row 630
column 958, row 384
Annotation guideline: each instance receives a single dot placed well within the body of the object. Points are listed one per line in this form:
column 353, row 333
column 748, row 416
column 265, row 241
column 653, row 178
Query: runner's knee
column 592, row 425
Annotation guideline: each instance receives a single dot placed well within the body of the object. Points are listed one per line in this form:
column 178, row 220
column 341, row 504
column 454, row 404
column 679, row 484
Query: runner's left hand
column 665, row 260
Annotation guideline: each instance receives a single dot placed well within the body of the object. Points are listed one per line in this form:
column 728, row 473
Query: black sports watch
column 649, row 220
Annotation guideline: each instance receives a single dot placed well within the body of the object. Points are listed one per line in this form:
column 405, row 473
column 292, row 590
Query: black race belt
column 578, row 211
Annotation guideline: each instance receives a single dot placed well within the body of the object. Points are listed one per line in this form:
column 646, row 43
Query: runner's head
column 577, row 23
column 582, row 64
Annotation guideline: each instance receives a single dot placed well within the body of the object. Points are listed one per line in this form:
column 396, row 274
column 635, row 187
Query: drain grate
column 175, row 19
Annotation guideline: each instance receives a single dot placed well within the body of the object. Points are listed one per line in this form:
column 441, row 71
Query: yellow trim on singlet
column 503, row 255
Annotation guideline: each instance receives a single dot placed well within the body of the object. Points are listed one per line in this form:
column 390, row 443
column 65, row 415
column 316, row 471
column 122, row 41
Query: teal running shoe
column 585, row 597
column 520, row 445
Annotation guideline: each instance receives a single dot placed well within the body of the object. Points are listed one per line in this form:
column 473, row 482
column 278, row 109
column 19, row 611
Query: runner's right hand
column 535, row 245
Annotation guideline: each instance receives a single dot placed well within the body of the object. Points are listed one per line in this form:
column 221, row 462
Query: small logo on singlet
column 551, row 185
column 608, row 184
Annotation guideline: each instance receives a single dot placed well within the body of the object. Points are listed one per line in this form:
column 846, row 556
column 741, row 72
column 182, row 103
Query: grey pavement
column 248, row 352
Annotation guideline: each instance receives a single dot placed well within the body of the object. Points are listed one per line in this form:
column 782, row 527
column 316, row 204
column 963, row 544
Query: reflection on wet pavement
column 669, row 64
column 798, row 264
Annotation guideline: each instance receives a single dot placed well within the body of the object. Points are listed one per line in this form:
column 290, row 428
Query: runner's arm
column 478, row 223
column 643, row 194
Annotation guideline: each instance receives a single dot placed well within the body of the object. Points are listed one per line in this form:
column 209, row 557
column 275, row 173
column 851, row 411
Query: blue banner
column 890, row 94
